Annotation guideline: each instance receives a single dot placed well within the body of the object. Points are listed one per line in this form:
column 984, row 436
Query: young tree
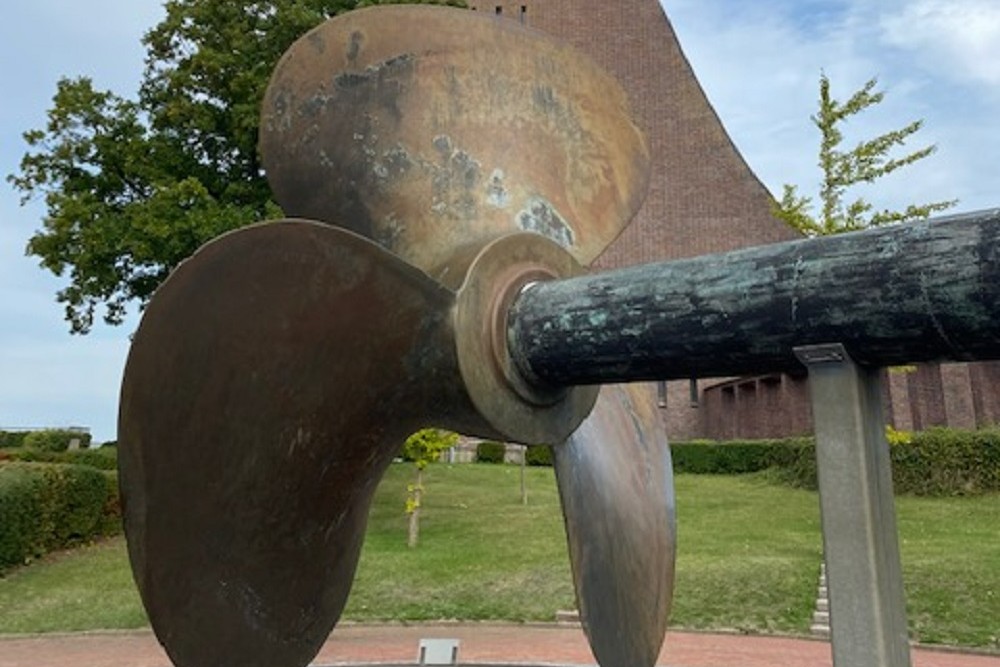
column 865, row 163
column 134, row 186
column 423, row 447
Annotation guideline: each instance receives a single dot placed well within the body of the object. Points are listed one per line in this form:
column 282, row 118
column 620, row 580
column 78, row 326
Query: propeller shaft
column 924, row 291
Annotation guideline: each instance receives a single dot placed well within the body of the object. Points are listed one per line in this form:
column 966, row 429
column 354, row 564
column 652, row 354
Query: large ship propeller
column 436, row 161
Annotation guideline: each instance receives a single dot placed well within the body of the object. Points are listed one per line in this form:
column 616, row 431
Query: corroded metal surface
column 616, row 486
column 270, row 383
column 429, row 129
column 277, row 372
column 522, row 411
column 273, row 377
column 924, row 291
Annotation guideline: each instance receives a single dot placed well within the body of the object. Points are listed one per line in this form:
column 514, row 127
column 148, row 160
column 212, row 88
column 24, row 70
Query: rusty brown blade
column 272, row 379
column 430, row 129
column 616, row 486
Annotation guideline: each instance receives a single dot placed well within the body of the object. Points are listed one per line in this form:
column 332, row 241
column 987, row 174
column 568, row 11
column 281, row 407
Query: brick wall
column 766, row 406
column 958, row 395
column 985, row 378
column 896, row 401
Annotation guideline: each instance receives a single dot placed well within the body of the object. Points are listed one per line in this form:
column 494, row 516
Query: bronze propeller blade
column 271, row 381
column 616, row 485
column 269, row 384
column 429, row 129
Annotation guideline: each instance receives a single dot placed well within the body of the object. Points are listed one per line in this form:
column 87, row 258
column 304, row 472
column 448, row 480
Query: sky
column 759, row 63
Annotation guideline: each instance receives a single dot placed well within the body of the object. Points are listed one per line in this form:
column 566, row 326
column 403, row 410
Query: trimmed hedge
column 538, row 455
column 47, row 506
column 20, row 508
column 735, row 457
column 944, row 461
column 55, row 440
column 102, row 458
column 490, row 452
column 936, row 462
column 12, row 438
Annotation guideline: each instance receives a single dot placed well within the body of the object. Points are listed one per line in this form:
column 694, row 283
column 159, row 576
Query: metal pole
column 864, row 577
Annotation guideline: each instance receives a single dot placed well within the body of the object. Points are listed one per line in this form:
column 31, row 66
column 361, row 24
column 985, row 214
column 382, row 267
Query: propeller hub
column 522, row 410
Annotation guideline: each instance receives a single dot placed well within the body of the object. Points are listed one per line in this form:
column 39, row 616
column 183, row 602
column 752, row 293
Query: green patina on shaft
column 927, row 291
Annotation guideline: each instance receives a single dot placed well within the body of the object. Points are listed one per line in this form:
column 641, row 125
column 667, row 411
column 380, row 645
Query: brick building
column 704, row 198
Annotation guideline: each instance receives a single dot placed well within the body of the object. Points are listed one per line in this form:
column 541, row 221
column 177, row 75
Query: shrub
column 55, row 440
column 20, row 509
column 111, row 510
column 798, row 468
column 103, row 458
column 75, row 497
column 490, row 452
column 12, row 438
column 935, row 462
column 46, row 506
column 538, row 455
column 895, row 437
column 734, row 457
column 943, row 461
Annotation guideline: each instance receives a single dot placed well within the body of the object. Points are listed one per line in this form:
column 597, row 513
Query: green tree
column 134, row 186
column 867, row 162
column 423, row 447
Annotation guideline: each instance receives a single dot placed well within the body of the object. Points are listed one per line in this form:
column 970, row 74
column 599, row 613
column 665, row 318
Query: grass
column 482, row 554
column 84, row 589
column 748, row 554
column 748, row 559
column 951, row 568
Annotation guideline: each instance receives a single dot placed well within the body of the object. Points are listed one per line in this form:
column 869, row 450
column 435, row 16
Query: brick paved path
column 479, row 643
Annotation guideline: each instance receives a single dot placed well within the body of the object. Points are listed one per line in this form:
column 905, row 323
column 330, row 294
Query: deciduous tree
column 133, row 185
column 866, row 162
column 423, row 447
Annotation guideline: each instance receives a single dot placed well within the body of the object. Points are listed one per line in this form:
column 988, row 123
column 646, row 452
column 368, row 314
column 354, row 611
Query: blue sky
column 759, row 63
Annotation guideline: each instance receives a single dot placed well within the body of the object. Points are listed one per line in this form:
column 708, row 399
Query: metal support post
column 867, row 606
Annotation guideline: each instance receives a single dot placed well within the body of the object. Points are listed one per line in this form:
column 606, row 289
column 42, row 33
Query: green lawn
column 951, row 568
column 748, row 554
column 748, row 558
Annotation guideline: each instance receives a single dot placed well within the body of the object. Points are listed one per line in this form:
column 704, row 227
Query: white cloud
column 759, row 64
column 959, row 38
